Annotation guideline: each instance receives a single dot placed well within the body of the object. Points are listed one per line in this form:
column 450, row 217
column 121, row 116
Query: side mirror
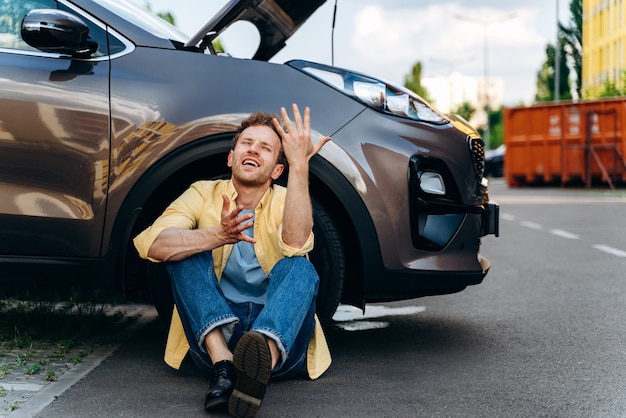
column 56, row 31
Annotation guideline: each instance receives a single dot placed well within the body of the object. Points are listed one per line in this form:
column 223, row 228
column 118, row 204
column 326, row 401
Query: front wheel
column 327, row 257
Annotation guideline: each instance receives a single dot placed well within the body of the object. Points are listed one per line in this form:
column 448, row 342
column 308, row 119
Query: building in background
column 450, row 92
column 604, row 40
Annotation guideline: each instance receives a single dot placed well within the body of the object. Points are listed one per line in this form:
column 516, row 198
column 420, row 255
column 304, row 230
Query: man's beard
column 252, row 180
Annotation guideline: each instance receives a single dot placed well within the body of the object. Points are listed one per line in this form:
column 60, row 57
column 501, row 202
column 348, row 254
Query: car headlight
column 379, row 95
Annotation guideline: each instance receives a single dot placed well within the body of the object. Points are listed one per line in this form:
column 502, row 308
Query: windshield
column 144, row 19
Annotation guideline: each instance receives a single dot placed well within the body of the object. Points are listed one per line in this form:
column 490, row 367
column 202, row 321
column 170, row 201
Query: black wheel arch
column 156, row 188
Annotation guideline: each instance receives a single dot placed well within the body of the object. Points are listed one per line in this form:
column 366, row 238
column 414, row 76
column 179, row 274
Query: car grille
column 477, row 149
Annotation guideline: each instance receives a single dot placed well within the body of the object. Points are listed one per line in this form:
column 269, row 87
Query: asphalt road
column 543, row 336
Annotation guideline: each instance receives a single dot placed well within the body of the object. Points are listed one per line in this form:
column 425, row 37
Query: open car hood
column 276, row 21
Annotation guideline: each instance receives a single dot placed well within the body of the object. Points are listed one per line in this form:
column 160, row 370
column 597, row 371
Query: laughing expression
column 254, row 160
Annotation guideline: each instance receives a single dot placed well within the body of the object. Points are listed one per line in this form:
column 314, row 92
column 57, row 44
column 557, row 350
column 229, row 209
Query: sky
column 385, row 38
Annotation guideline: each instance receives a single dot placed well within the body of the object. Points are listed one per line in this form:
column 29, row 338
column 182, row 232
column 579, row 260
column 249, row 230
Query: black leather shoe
column 222, row 384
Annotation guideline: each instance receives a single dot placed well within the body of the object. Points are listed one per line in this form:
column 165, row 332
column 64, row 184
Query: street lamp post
column 485, row 23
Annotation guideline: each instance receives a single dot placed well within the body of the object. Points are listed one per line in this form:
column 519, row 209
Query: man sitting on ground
column 235, row 249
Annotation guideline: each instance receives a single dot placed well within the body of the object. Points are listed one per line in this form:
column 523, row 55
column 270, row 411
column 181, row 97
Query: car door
column 54, row 141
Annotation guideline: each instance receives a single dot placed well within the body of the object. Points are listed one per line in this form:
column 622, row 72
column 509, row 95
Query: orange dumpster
column 566, row 143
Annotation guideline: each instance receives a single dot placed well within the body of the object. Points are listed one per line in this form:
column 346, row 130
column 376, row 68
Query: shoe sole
column 216, row 403
column 253, row 364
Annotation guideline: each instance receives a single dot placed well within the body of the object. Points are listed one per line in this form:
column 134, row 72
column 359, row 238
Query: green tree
column 496, row 127
column 413, row 82
column 219, row 48
column 573, row 38
column 547, row 74
column 465, row 110
column 611, row 88
column 545, row 77
column 168, row 17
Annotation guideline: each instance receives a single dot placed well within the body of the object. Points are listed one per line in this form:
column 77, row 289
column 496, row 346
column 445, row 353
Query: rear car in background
column 494, row 161
column 108, row 113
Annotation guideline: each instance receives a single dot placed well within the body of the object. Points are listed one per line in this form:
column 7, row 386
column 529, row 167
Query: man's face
column 254, row 160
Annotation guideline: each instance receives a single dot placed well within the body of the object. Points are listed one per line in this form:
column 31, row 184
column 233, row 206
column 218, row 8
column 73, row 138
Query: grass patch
column 70, row 319
column 23, row 323
column 37, row 332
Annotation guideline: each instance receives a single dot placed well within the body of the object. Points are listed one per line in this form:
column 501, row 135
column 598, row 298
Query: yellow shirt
column 200, row 206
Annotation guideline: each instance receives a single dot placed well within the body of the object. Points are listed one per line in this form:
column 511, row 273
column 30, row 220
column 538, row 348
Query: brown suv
column 108, row 113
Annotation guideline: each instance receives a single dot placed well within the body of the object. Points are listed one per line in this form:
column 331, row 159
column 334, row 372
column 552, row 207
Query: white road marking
column 560, row 200
column 363, row 325
column 351, row 319
column 610, row 250
column 507, row 217
column 534, row 200
column 564, row 234
column 531, row 225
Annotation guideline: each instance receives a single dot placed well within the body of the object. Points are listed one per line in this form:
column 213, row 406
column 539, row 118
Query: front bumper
column 491, row 219
column 437, row 217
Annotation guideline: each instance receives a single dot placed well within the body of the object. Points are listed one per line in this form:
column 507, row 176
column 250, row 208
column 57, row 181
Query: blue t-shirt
column 243, row 279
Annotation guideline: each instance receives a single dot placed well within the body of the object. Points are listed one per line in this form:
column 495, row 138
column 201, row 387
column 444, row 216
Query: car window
column 12, row 13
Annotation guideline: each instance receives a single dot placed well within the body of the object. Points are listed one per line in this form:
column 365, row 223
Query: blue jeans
column 288, row 317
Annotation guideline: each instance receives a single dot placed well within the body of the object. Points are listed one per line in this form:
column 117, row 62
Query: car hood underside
column 276, row 21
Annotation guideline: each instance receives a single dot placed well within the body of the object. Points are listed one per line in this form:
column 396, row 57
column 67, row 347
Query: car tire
column 499, row 171
column 327, row 257
column 161, row 290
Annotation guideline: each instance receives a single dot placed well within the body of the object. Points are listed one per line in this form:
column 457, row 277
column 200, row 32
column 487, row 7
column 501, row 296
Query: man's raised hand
column 297, row 144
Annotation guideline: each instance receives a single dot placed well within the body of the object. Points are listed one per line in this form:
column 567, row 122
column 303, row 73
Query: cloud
column 387, row 42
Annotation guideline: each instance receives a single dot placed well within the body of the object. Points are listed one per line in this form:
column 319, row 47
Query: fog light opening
column 432, row 183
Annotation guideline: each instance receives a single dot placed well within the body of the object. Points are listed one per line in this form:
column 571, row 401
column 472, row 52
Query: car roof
column 276, row 21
